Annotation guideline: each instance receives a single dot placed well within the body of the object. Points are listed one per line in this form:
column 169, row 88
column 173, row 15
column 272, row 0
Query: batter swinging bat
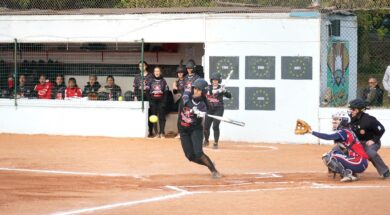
column 224, row 119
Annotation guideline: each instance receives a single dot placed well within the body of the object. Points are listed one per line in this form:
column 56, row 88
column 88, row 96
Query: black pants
column 158, row 108
column 208, row 121
column 191, row 142
column 375, row 158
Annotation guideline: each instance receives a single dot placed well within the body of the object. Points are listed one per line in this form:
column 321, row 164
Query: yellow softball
column 153, row 119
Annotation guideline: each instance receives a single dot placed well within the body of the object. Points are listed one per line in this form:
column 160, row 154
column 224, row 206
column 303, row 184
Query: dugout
column 279, row 58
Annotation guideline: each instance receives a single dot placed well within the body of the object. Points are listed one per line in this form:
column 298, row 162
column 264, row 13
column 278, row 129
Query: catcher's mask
column 340, row 120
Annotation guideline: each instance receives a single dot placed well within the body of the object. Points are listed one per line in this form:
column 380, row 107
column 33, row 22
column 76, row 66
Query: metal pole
column 15, row 72
column 142, row 74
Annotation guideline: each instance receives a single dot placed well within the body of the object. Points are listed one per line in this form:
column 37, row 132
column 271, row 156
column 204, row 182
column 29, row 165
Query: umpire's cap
column 358, row 104
column 200, row 84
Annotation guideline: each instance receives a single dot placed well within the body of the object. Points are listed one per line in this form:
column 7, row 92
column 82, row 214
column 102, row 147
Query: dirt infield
column 96, row 175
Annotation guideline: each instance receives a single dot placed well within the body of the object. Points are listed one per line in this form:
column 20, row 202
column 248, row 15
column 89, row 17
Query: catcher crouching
column 348, row 157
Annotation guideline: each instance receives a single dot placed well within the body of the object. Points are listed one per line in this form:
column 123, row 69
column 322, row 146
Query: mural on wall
column 297, row 68
column 336, row 93
column 232, row 103
column 224, row 65
column 259, row 98
column 260, row 67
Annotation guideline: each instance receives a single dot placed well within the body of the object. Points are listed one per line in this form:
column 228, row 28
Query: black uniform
column 191, row 130
column 24, row 91
column 366, row 128
column 158, row 101
column 188, row 80
column 58, row 91
column 137, row 84
column 216, row 107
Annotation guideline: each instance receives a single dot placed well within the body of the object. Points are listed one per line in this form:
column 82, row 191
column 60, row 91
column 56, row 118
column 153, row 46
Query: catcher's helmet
column 200, row 84
column 216, row 76
column 358, row 104
column 343, row 119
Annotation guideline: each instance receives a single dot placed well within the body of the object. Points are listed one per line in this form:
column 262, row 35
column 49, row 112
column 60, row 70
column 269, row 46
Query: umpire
column 369, row 131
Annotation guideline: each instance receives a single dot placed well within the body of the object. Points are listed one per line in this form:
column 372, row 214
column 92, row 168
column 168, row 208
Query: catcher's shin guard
column 333, row 165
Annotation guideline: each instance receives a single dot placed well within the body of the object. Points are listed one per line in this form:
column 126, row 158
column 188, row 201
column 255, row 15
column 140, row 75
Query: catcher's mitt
column 302, row 127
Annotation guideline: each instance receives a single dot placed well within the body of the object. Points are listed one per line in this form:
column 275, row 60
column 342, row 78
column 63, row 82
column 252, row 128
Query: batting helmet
column 216, row 76
column 358, row 104
column 190, row 65
column 200, row 84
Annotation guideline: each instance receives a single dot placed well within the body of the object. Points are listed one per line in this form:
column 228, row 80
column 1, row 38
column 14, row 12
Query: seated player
column 92, row 88
column 59, row 87
column 348, row 158
column 23, row 90
column 113, row 90
column 43, row 88
column 72, row 91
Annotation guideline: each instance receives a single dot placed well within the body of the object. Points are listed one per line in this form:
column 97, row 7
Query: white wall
column 78, row 117
column 294, row 98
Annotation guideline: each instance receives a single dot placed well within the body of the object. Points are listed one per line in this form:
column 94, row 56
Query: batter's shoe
column 215, row 175
column 386, row 175
column 205, row 143
column 215, row 146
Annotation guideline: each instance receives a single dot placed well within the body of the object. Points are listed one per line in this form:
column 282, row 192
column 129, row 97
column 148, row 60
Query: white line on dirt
column 69, row 172
column 181, row 193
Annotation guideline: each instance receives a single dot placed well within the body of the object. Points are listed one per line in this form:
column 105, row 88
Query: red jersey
column 74, row 92
column 43, row 90
column 356, row 148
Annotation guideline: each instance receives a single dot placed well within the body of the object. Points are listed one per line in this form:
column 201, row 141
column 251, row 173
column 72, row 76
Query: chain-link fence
column 71, row 4
column 68, row 71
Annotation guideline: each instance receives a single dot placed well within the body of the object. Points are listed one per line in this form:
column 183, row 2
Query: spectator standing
column 373, row 94
column 43, row 88
column 72, row 91
column 386, row 81
column 59, row 87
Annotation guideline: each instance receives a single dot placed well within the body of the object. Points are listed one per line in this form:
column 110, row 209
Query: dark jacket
column 113, row 92
column 373, row 96
column 137, row 84
column 25, row 91
column 91, row 88
column 367, row 127
column 58, row 91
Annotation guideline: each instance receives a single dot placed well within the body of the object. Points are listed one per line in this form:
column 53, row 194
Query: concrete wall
column 76, row 117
